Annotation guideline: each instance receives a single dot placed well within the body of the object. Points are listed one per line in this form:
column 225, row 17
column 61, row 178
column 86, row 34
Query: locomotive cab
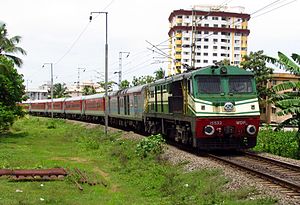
column 224, row 102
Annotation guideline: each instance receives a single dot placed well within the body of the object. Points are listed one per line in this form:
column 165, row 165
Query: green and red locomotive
column 215, row 107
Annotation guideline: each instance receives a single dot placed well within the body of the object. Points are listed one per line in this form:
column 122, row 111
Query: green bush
column 282, row 143
column 153, row 145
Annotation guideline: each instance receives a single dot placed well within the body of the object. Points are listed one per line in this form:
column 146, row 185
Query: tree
column 12, row 91
column 159, row 74
column 287, row 96
column 109, row 85
column 142, row 80
column 8, row 46
column 125, row 84
column 59, row 90
column 255, row 62
column 88, row 90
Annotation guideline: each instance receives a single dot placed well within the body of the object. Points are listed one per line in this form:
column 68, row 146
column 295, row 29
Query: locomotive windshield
column 209, row 85
column 240, row 84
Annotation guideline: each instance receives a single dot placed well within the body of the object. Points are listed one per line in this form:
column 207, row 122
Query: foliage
column 287, row 96
column 11, row 93
column 142, row 80
column 153, row 145
column 88, row 90
column 8, row 46
column 109, row 85
column 125, row 84
column 108, row 160
column 225, row 61
column 278, row 142
column 59, row 90
column 255, row 62
column 159, row 74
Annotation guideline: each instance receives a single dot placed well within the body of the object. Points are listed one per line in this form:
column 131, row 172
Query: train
column 211, row 108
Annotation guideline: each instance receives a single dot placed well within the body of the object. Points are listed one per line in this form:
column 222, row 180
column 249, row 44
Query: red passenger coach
column 94, row 105
column 58, row 105
column 73, row 106
column 39, row 106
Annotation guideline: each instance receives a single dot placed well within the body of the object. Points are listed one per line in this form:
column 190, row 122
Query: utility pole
column 120, row 66
column 193, row 46
column 51, row 64
column 106, row 69
column 78, row 80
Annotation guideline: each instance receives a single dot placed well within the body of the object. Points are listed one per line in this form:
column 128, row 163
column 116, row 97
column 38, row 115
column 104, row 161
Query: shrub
column 153, row 145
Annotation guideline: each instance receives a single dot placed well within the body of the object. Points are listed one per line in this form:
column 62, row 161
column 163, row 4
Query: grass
column 130, row 179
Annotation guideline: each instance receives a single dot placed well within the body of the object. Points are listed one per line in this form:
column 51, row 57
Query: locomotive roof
column 75, row 98
column 217, row 70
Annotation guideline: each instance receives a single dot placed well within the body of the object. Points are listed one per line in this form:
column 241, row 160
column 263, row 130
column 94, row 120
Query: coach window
column 190, row 86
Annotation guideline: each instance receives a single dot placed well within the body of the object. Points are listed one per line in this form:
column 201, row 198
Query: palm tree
column 59, row 90
column 8, row 46
column 288, row 100
column 88, row 90
column 159, row 74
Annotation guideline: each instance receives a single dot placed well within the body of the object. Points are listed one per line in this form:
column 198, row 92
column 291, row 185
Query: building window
column 215, row 18
column 237, row 34
column 274, row 82
column 179, row 24
column 215, row 54
column 185, row 45
column 223, row 47
column 186, row 38
column 236, row 48
column 206, row 25
column 178, row 52
column 178, row 38
column 185, row 60
column 215, row 40
column 215, row 47
column 186, row 53
column 187, row 17
column 236, row 41
column 198, row 61
column 236, row 55
column 224, row 40
column 206, row 39
column 198, row 47
column 224, row 18
column 180, row 17
column 198, row 39
column 223, row 26
column 206, row 32
column 223, row 54
column 215, row 25
column 215, row 33
column 205, row 47
column 205, row 61
column 214, row 61
column 198, row 54
column 205, row 54
column 236, row 62
column 273, row 110
column 199, row 32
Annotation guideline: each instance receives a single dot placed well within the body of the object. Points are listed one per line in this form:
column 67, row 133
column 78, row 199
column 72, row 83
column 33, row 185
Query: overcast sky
column 49, row 28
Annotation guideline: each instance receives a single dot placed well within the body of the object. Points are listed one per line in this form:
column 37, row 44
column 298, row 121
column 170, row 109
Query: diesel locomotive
column 215, row 107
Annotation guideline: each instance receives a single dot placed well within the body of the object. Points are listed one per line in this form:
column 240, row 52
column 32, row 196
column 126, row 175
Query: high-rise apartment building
column 206, row 35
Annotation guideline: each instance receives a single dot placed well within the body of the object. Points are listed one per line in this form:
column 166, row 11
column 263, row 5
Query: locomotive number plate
column 215, row 123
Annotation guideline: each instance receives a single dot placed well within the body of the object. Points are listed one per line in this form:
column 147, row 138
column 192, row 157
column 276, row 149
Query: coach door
column 176, row 100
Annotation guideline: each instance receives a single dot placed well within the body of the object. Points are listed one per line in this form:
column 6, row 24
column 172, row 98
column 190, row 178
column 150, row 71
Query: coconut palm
column 8, row 46
column 159, row 74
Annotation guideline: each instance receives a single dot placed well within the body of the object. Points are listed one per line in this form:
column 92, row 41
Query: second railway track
column 285, row 175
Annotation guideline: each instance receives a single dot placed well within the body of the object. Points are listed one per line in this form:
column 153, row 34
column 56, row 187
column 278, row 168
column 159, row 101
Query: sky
column 59, row 32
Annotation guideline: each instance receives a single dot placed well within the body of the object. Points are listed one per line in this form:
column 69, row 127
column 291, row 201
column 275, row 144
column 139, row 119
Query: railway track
column 281, row 175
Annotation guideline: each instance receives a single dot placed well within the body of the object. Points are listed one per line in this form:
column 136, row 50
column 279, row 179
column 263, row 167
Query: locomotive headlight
column 209, row 130
column 251, row 129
